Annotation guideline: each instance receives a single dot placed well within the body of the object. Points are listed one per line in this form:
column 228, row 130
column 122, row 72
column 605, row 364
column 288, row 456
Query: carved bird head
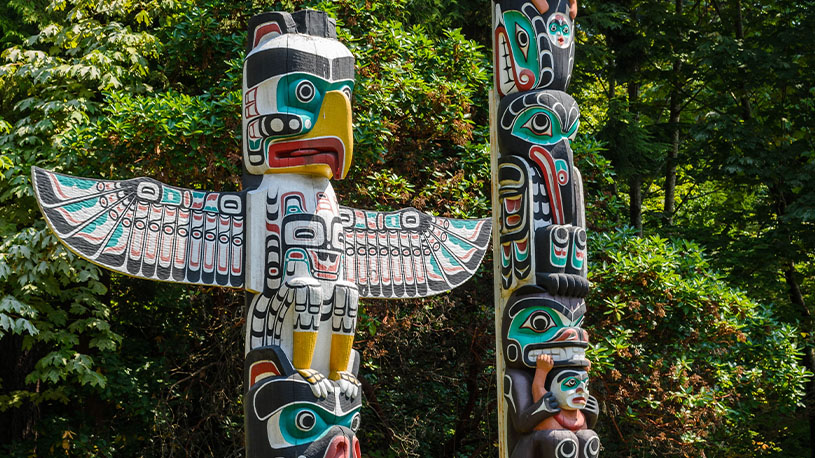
column 297, row 86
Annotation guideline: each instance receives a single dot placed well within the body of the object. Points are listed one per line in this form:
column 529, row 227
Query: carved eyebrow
column 269, row 63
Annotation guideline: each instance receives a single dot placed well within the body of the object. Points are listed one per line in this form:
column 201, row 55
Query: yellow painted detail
column 303, row 349
column 334, row 120
column 322, row 170
column 341, row 345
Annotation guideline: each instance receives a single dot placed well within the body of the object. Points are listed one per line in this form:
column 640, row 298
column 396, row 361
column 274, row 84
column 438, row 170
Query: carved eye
column 305, row 91
column 522, row 38
column 565, row 30
column 571, row 383
column 347, row 91
column 553, row 28
column 304, row 233
column 538, row 321
column 305, row 420
column 355, row 422
column 539, row 124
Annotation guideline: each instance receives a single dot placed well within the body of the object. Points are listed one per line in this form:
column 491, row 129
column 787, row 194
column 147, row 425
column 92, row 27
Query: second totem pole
column 545, row 409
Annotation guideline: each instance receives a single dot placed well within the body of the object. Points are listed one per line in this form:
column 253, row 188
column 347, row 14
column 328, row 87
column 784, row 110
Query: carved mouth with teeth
column 323, row 150
column 571, row 355
column 325, row 264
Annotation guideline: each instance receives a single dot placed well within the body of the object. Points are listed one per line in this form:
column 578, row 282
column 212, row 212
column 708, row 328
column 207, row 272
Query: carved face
column 312, row 242
column 538, row 125
column 516, row 257
column 538, row 323
column 559, row 30
column 297, row 92
column 571, row 389
column 527, row 54
column 294, row 423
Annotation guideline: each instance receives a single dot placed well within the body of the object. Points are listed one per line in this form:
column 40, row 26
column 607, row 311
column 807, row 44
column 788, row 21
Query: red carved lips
column 324, row 150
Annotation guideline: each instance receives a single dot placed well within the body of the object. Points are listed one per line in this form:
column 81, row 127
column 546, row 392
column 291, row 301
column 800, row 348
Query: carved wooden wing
column 146, row 229
column 408, row 253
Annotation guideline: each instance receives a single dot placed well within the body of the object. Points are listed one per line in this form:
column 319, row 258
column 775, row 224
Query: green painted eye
column 301, row 422
column 538, row 321
column 305, row 91
column 565, row 30
column 539, row 124
column 569, row 383
column 305, row 420
column 522, row 39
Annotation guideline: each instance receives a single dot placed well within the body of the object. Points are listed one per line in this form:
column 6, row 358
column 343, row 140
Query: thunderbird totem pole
column 303, row 259
column 545, row 410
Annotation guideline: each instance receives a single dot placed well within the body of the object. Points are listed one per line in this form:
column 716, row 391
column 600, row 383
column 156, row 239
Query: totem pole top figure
column 297, row 80
column 303, row 259
column 534, row 44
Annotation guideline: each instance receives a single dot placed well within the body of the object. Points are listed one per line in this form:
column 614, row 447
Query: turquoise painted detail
column 520, row 255
column 170, row 196
column 576, row 263
column 504, row 259
column 114, row 238
column 198, row 195
column 370, row 216
column 74, row 182
column 523, row 42
column 81, row 205
column 307, row 108
column 459, row 242
column 209, row 208
column 557, row 261
column 534, row 325
column 561, row 168
column 564, row 29
column 304, row 422
column 570, row 383
column 463, row 224
column 287, row 258
column 254, row 144
column 392, row 222
column 435, row 266
column 102, row 219
column 541, row 126
column 453, row 260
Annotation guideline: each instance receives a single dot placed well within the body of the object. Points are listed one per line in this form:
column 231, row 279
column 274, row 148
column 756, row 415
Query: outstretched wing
column 146, row 229
column 408, row 253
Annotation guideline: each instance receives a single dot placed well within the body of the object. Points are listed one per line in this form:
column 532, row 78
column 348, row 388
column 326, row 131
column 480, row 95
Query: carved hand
column 591, row 411
column 543, row 6
column 544, row 363
column 550, row 404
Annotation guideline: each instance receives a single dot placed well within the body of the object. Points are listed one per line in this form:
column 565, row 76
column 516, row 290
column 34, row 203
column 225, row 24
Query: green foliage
column 685, row 363
column 105, row 365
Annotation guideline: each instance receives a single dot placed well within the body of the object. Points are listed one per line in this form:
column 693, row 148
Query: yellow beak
column 334, row 120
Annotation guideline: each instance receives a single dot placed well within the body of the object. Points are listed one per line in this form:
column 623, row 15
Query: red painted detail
column 547, row 166
column 501, row 30
column 325, row 150
column 340, row 447
column 264, row 30
column 259, row 368
column 357, row 451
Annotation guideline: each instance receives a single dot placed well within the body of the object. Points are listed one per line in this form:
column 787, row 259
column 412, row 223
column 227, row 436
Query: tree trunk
column 797, row 298
column 635, row 180
column 635, row 207
column 673, row 154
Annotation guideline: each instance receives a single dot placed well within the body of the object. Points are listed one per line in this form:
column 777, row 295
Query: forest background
column 696, row 147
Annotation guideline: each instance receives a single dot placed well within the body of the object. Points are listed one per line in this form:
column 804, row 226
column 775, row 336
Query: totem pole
column 302, row 259
column 545, row 409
